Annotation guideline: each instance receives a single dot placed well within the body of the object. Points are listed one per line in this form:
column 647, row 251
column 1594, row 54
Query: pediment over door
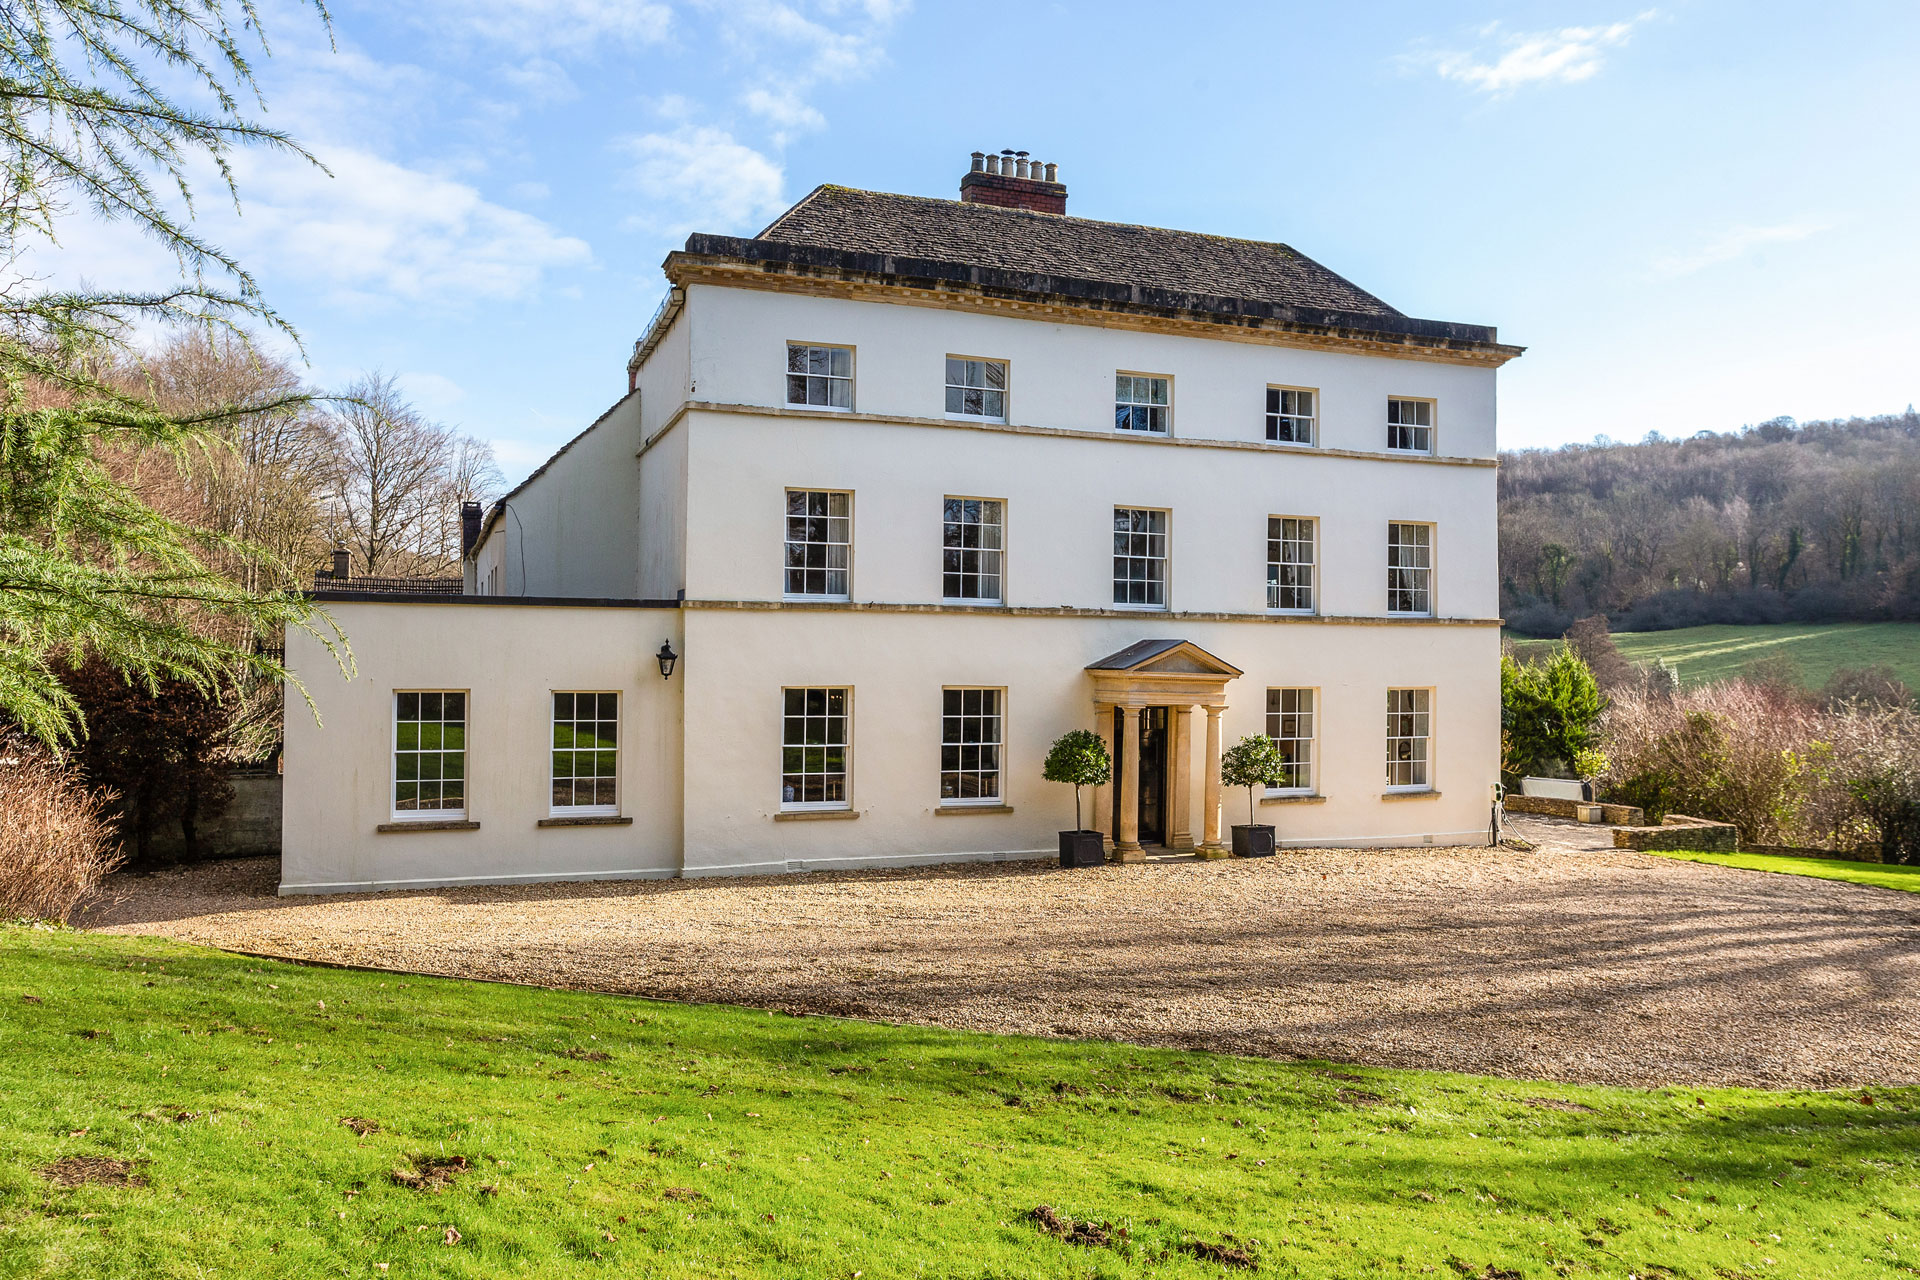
column 1161, row 672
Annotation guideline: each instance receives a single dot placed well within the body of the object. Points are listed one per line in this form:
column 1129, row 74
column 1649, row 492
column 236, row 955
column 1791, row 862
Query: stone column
column 1212, row 846
column 1180, row 831
column 1100, row 815
column 1126, row 843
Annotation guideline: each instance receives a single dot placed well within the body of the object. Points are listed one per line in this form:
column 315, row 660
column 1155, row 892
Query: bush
column 56, row 840
column 1878, row 686
column 1549, row 713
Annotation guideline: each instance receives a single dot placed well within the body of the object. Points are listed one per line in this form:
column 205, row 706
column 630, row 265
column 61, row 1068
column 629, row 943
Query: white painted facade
column 674, row 506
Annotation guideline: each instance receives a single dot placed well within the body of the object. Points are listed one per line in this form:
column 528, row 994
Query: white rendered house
column 909, row 487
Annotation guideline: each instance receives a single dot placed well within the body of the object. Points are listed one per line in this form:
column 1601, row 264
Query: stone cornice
column 1071, row 433
column 1072, row 611
column 753, row 264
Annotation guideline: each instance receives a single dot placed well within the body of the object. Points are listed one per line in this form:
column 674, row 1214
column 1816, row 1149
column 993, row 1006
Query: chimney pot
column 1053, row 172
column 1022, row 164
column 979, row 161
column 342, row 564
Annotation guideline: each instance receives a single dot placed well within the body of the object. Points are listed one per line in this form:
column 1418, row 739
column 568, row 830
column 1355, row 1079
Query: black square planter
column 1253, row 842
column 1082, row 849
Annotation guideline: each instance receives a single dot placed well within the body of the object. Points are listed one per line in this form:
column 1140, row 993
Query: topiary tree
column 1079, row 758
column 1254, row 761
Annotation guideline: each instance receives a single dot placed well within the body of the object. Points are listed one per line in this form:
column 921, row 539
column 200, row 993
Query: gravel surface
column 1571, row 962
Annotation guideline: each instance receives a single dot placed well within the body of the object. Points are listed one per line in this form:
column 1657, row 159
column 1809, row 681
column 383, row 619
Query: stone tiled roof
column 1184, row 262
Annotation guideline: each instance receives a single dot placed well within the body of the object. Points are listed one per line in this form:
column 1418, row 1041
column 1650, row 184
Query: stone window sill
column 395, row 828
column 1315, row 798
column 815, row 815
column 957, row 810
column 586, row 820
column 1410, row 795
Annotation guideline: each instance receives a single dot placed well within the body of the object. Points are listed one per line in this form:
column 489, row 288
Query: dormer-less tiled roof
column 983, row 235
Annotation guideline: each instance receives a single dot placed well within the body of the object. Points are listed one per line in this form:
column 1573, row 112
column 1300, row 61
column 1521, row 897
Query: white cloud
column 564, row 26
column 783, row 108
column 1736, row 242
column 701, row 178
column 1564, row 56
column 542, row 80
column 381, row 232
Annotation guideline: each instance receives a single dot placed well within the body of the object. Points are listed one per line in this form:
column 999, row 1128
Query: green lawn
column 1873, row 873
column 620, row 1137
column 1704, row 654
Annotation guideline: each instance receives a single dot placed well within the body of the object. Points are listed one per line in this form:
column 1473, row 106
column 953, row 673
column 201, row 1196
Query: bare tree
column 398, row 481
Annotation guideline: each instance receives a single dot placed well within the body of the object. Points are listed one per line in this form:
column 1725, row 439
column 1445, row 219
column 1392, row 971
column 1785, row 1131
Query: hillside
column 1703, row 654
column 1782, row 522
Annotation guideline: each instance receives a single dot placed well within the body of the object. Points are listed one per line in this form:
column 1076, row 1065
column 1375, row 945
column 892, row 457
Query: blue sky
column 1695, row 215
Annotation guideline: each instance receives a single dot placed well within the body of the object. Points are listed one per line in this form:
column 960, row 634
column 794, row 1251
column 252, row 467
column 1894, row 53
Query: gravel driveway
column 1572, row 962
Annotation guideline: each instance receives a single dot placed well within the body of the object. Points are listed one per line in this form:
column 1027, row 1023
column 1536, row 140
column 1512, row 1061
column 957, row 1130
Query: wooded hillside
column 1808, row 522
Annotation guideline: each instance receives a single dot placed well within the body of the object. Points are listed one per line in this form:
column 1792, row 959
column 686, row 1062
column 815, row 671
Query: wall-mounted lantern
column 667, row 657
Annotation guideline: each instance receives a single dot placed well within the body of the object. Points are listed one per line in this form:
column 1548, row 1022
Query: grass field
column 616, row 1136
column 1703, row 654
column 1873, row 873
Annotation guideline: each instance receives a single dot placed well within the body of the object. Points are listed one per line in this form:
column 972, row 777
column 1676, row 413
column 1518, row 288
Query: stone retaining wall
column 1677, row 831
column 1620, row 815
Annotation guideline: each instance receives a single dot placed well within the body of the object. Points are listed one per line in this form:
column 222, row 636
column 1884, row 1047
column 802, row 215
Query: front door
column 1153, row 775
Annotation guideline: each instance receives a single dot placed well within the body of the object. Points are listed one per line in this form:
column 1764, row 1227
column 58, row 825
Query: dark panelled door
column 1153, row 775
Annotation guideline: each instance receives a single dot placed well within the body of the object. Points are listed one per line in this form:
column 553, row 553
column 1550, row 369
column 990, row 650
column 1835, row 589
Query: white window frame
column 1126, row 400
column 1311, row 564
column 1277, row 392
column 1397, row 552
column 845, row 746
column 1003, row 391
column 1165, row 558
column 619, row 732
column 394, row 752
column 828, row 379
column 1410, row 708
column 1275, row 714
column 787, row 517
column 1431, row 426
column 999, row 551
column 998, row 744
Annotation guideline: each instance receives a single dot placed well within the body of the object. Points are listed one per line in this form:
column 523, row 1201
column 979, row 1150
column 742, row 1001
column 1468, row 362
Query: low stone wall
column 1677, row 831
column 1620, row 815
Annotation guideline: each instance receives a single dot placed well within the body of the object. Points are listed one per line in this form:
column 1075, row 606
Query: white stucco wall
column 510, row 659
column 1060, row 493
column 572, row 529
column 1061, row 375
column 738, row 661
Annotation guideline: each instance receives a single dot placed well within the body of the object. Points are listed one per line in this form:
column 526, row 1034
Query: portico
column 1144, row 698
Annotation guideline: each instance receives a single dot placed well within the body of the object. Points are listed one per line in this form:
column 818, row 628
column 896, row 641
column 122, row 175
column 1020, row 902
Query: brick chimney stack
column 1011, row 181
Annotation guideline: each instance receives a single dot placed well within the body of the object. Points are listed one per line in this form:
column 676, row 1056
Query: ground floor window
column 1409, row 739
column 586, row 747
column 970, row 741
column 816, row 739
column 429, row 754
column 1290, row 725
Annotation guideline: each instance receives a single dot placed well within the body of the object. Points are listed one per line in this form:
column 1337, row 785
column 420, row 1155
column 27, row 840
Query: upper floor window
column 971, row 547
column 819, row 377
column 1140, row 557
column 1290, row 725
column 1409, row 568
column 586, row 753
column 1290, row 564
column 1290, row 415
column 1410, row 425
column 430, row 754
column 1141, row 402
column 819, row 543
column 977, row 389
